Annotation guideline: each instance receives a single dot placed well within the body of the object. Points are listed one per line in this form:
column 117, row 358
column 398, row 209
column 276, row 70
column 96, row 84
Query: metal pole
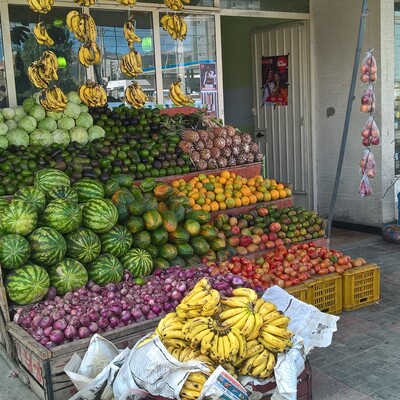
column 347, row 119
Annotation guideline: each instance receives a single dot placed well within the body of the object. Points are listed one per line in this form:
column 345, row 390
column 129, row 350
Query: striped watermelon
column 83, row 245
column 99, row 215
column 47, row 178
column 14, row 251
column 105, row 269
column 27, row 284
column 68, row 275
column 48, row 246
column 63, row 192
column 117, row 241
column 19, row 217
column 33, row 195
column 63, row 215
column 88, row 189
column 138, row 262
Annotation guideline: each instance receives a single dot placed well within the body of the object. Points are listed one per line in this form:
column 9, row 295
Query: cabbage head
column 1, row 117
column 11, row 124
column 66, row 123
column 3, row 128
column 38, row 112
column 19, row 114
column 28, row 104
column 84, row 108
column 18, row 137
column 41, row 137
column 79, row 135
column 28, row 123
column 48, row 124
column 72, row 110
column 3, row 142
column 8, row 113
column 96, row 132
column 61, row 136
column 85, row 120
column 54, row 115
column 73, row 97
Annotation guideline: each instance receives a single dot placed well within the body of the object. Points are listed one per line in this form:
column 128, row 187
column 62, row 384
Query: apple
column 235, row 230
column 365, row 133
column 262, row 211
column 375, row 140
column 274, row 227
column 366, row 141
column 233, row 221
column 245, row 240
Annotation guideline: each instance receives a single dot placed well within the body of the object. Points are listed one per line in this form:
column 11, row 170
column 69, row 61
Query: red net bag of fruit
column 368, row 100
column 368, row 68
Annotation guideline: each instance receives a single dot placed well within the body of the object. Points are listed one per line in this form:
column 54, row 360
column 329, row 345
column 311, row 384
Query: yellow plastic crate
column 361, row 287
column 325, row 293
column 298, row 291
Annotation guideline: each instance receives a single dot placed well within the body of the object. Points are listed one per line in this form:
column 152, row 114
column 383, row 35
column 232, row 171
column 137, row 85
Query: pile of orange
column 228, row 190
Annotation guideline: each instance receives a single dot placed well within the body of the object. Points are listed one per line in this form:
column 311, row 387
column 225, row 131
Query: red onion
column 70, row 332
column 111, row 287
column 26, row 321
column 125, row 316
column 74, row 321
column 156, row 309
column 176, row 295
column 83, row 332
column 237, row 281
column 52, row 293
column 47, row 331
column 145, row 309
column 45, row 322
column 113, row 322
column 102, row 322
column 60, row 324
column 93, row 327
column 57, row 336
column 136, row 313
column 115, row 309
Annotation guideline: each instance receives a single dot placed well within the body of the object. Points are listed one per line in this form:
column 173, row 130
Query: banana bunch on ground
column 135, row 96
column 130, row 33
column 176, row 5
column 53, row 99
column 89, row 54
column 202, row 301
column 85, row 3
column 193, row 385
column 175, row 26
column 41, row 34
column 129, row 3
column 44, row 70
column 41, row 6
column 82, row 26
column 131, row 63
column 177, row 96
column 92, row 94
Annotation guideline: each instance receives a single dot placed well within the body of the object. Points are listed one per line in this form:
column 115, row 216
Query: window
column 3, row 81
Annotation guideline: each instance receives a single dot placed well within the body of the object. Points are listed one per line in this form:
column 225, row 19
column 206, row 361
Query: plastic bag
column 367, row 164
column 365, row 188
column 368, row 100
column 368, row 68
column 370, row 133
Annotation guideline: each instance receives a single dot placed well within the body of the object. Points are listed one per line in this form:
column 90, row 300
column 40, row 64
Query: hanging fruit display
column 82, row 26
column 92, row 94
column 177, row 96
column 131, row 64
column 41, row 6
column 89, row 54
column 176, row 5
column 44, row 70
column 135, row 96
column 41, row 34
column 175, row 26
column 84, row 3
column 129, row 3
column 53, row 99
column 130, row 33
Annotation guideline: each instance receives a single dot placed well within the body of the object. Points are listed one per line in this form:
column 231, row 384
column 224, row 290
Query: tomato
column 236, row 270
column 339, row 269
column 295, row 281
column 317, row 268
column 343, row 260
column 304, row 276
column 288, row 283
column 323, row 271
column 331, row 269
column 285, row 277
column 256, row 275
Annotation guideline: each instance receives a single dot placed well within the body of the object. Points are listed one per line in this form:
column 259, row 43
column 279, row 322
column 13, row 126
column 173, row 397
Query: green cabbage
column 8, row 113
column 28, row 123
column 96, row 132
column 3, row 142
column 41, row 137
column 48, row 124
column 18, row 137
column 84, row 108
column 28, row 104
column 72, row 110
column 79, row 135
column 85, row 120
column 54, row 115
column 61, row 136
column 11, row 124
column 1, row 117
column 73, row 97
column 19, row 114
column 3, row 128
column 66, row 123
column 38, row 112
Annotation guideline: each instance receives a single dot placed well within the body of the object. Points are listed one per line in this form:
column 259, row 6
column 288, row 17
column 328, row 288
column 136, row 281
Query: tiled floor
column 363, row 362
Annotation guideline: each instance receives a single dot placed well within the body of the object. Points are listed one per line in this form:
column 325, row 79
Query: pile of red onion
column 95, row 309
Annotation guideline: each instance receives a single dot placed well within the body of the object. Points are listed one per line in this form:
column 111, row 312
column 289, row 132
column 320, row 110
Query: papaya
column 168, row 251
column 179, row 236
column 152, row 250
column 122, row 198
column 152, row 220
column 201, row 216
column 147, row 185
column 192, row 227
column 137, row 208
column 134, row 224
column 211, row 256
column 179, row 199
column 159, row 262
column 162, row 206
column 150, row 202
column 159, row 237
column 222, row 255
column 162, row 191
column 141, row 239
column 218, row 244
column 185, row 250
column 200, row 246
column 193, row 260
column 136, row 192
column 177, row 261
column 179, row 211
column 208, row 232
column 170, row 222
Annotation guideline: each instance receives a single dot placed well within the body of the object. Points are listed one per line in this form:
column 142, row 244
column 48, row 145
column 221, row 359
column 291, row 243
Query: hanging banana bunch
column 85, row 3
column 82, row 26
column 177, row 96
column 131, row 64
column 175, row 26
column 40, row 6
column 176, row 5
column 128, row 3
column 130, row 33
column 53, row 99
column 41, row 34
column 89, row 54
column 92, row 94
column 44, row 70
column 135, row 96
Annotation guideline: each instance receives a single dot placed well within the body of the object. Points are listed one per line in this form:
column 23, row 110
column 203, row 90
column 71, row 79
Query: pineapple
column 212, row 164
column 254, row 148
column 250, row 157
column 241, row 159
column 236, row 140
column 219, row 132
column 258, row 157
column 210, row 135
column 246, row 138
column 230, row 130
column 235, row 151
column 205, row 154
column 209, row 144
column 203, row 135
column 219, row 142
column 228, row 140
column 215, row 153
column 232, row 161
column 201, row 165
column 195, row 156
column 226, row 152
column 199, row 145
column 222, row 162
column 189, row 135
column 246, row 148
column 186, row 147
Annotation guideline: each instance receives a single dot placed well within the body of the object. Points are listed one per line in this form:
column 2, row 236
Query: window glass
column 302, row 6
column 26, row 49
column 3, row 81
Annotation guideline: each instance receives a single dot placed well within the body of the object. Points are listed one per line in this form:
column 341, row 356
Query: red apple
column 274, row 227
column 366, row 141
column 245, row 240
column 272, row 236
column 375, row 140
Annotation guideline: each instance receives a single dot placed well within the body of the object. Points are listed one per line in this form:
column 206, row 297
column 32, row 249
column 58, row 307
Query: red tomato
column 323, row 271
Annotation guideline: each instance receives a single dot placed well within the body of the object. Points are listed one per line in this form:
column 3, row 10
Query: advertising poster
column 208, row 86
column 274, row 71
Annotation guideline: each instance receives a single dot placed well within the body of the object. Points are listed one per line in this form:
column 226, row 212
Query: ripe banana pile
column 53, row 99
column 85, row 3
column 131, row 64
column 41, row 6
column 176, row 5
column 135, row 96
column 41, row 34
column 44, row 70
column 89, row 54
column 82, row 26
column 130, row 33
column 92, row 94
column 177, row 96
column 175, row 26
column 193, row 385
column 129, row 3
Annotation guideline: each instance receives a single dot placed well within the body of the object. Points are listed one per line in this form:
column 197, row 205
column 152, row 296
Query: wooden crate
column 45, row 367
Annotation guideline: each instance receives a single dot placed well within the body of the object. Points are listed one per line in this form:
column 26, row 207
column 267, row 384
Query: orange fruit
column 233, row 175
column 210, row 195
column 175, row 184
column 245, row 191
column 218, row 190
column 220, row 197
column 245, row 201
column 230, row 203
column 282, row 193
column 267, row 196
column 238, row 202
column 214, row 206
column 251, row 182
column 208, row 201
column 253, row 199
column 222, row 180
column 274, row 194
column 196, row 207
column 200, row 201
column 288, row 192
column 192, row 202
column 225, row 174
column 227, row 194
column 280, row 186
column 259, row 195
column 206, row 207
column 222, row 206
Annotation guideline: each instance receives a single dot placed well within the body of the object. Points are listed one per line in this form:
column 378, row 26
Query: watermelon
column 62, row 192
column 134, row 224
column 162, row 191
column 200, row 246
column 48, row 246
column 150, row 202
column 110, row 187
column 47, row 178
column 142, row 239
column 148, row 184
column 180, row 236
column 138, row 262
column 27, row 284
column 106, row 268
column 201, row 216
column 152, row 220
column 88, row 189
column 168, row 251
column 32, row 195
column 99, row 215
column 122, row 198
column 184, row 250
column 117, row 241
column 208, row 232
column 68, row 275
column 160, row 263
column 63, row 215
column 193, row 260
column 19, row 217
column 152, row 250
column 83, row 245
column 178, row 261
column 137, row 208
column 14, row 251
column 159, row 237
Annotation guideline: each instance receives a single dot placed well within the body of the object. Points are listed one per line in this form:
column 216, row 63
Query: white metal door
column 284, row 132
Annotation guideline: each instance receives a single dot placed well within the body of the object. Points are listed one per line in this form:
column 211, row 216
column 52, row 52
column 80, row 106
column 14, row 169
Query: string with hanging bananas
column 53, row 99
column 131, row 64
column 176, row 5
column 44, row 70
column 135, row 96
column 85, row 3
column 177, row 96
column 40, row 6
column 41, row 34
column 128, row 3
column 130, row 33
column 82, row 26
column 89, row 54
column 92, row 94
column 175, row 25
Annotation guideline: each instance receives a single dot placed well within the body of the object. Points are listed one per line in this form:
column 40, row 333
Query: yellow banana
column 84, row 3
column 69, row 17
column 247, row 365
column 213, row 301
column 273, row 343
column 272, row 316
column 258, row 324
column 192, row 385
column 238, row 320
column 236, row 301
column 271, row 361
column 249, row 325
column 242, row 342
column 186, row 393
column 205, row 344
column 129, row 3
column 176, row 343
column 41, row 34
column 264, row 307
column 130, row 32
column 276, row 331
column 198, row 377
column 245, row 292
column 233, row 343
column 196, row 338
column 231, row 312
